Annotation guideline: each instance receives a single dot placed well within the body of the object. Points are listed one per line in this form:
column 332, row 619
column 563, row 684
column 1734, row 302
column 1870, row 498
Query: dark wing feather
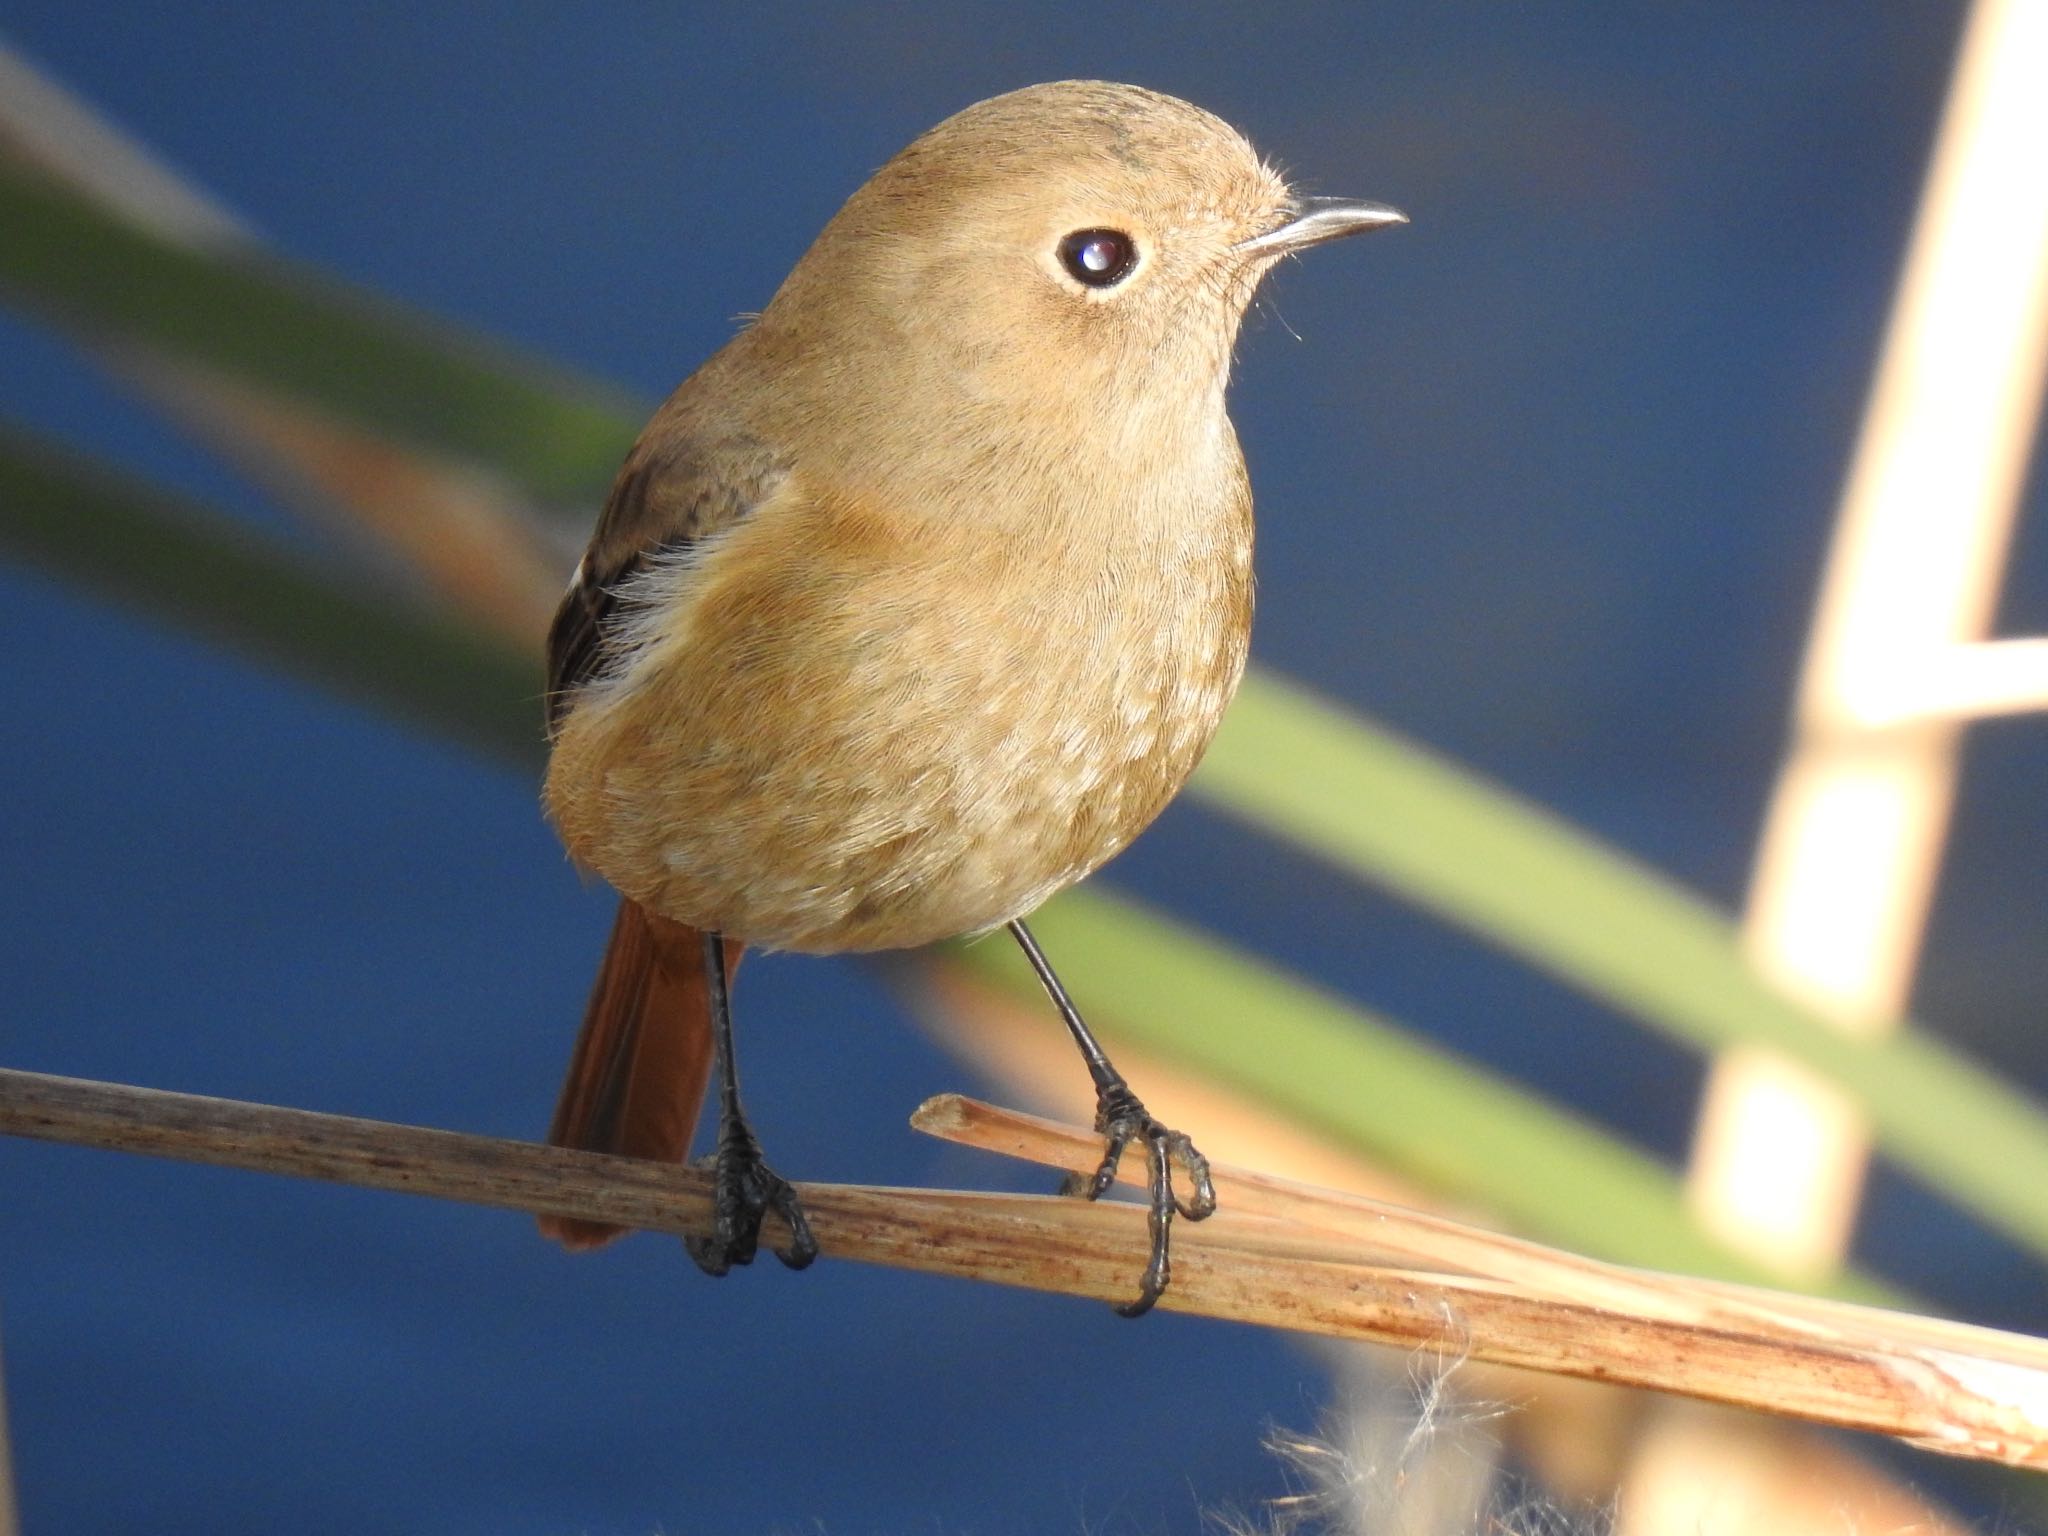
column 669, row 494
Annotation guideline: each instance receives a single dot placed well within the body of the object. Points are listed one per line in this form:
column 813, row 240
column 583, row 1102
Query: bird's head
column 1077, row 250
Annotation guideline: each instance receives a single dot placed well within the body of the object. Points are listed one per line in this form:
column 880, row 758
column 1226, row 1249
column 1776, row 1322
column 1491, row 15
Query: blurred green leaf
column 420, row 382
column 1382, row 808
column 156, row 554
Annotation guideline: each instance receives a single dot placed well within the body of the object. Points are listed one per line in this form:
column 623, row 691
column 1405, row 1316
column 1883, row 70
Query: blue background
column 1545, row 481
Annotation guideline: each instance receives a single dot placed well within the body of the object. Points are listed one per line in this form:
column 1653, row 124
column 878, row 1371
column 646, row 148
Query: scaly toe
column 745, row 1190
column 1121, row 1118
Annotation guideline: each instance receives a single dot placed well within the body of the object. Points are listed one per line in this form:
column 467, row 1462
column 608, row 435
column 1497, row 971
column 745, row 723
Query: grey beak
column 1313, row 220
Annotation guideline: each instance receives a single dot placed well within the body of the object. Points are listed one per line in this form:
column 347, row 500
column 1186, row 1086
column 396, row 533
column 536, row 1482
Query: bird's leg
column 746, row 1187
column 1122, row 1117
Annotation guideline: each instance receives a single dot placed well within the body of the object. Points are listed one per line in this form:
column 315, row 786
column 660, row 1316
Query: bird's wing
column 669, row 495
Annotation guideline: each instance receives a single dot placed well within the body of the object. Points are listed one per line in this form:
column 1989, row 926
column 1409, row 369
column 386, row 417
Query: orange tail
column 637, row 1077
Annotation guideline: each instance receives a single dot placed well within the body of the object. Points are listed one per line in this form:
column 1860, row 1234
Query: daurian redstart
column 919, row 600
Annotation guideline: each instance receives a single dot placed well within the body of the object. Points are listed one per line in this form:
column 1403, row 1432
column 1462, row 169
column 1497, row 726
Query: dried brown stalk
column 1279, row 1255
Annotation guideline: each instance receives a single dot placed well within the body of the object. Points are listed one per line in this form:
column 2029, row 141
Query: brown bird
column 918, row 601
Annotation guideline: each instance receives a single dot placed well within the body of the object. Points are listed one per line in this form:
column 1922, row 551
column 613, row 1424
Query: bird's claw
column 744, row 1190
column 1122, row 1119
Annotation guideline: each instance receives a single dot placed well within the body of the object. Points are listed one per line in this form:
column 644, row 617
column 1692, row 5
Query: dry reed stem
column 1400, row 1235
column 1572, row 1434
column 1990, row 1387
column 1262, row 1264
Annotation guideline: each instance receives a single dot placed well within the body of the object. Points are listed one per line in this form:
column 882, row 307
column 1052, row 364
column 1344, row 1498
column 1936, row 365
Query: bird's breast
column 846, row 732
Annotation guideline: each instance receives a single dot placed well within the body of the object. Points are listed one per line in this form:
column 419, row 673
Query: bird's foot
column 1122, row 1118
column 744, row 1190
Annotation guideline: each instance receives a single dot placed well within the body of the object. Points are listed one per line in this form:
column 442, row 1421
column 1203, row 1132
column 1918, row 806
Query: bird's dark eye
column 1100, row 258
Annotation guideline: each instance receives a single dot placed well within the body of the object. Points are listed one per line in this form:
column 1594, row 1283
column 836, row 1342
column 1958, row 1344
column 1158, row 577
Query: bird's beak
column 1313, row 220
